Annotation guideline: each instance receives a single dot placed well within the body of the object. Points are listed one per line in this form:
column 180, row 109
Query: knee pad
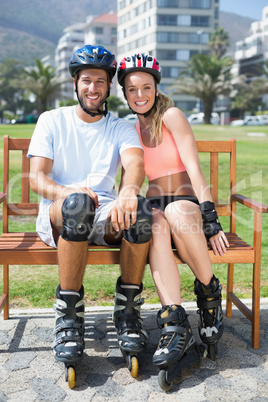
column 141, row 231
column 78, row 211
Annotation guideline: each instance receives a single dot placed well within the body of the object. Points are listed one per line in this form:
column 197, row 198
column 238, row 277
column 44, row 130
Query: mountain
column 31, row 29
column 237, row 26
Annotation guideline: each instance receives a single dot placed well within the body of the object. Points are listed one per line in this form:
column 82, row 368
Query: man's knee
column 78, row 211
column 141, row 231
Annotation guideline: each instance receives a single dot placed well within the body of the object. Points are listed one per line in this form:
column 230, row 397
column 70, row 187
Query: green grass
column 35, row 286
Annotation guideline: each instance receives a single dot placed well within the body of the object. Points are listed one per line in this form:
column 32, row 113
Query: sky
column 246, row 8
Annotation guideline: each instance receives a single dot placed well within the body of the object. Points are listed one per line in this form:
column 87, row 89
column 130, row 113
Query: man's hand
column 124, row 211
column 219, row 243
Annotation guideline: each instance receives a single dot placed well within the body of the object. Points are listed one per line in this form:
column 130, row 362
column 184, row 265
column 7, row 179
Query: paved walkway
column 28, row 371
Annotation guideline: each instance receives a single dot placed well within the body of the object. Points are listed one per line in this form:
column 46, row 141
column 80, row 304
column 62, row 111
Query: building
column 253, row 50
column 101, row 30
column 73, row 38
column 170, row 30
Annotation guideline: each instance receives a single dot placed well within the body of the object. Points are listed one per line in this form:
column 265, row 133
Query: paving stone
column 20, row 360
column 47, row 390
column 3, row 396
column 27, row 395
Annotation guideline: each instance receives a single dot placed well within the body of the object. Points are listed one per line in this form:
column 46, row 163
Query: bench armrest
column 256, row 206
column 3, row 196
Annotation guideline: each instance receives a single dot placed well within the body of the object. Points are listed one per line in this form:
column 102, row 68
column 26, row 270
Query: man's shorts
column 44, row 228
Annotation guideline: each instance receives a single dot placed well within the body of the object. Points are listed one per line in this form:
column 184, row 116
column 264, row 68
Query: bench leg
column 6, row 290
column 230, row 288
column 256, row 289
column 255, row 335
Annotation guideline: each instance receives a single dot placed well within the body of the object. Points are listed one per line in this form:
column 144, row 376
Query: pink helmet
column 138, row 62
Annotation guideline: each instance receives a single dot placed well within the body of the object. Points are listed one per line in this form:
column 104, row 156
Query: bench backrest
column 25, row 207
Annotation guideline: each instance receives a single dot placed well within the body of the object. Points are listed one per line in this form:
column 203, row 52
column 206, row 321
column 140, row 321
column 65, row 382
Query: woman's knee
column 183, row 215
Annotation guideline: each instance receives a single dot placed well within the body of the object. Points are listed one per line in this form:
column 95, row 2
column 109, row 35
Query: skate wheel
column 71, row 376
column 212, row 351
column 162, row 380
column 134, row 366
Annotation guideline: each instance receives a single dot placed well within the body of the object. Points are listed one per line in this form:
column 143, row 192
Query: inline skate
column 210, row 311
column 69, row 342
column 131, row 337
column 177, row 353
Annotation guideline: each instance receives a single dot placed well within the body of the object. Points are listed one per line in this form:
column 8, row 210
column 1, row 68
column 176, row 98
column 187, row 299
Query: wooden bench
column 27, row 249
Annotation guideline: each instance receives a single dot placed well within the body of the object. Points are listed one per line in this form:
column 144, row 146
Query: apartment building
column 100, row 30
column 73, row 38
column 253, row 50
column 171, row 30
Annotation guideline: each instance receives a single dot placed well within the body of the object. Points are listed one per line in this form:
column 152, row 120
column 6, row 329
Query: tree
column 114, row 103
column 11, row 93
column 206, row 78
column 219, row 42
column 41, row 81
column 247, row 94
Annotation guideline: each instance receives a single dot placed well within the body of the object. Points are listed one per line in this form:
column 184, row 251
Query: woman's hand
column 219, row 243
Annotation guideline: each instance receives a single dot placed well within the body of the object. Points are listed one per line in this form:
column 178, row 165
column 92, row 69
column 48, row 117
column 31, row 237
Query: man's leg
column 72, row 255
column 71, row 220
column 133, row 255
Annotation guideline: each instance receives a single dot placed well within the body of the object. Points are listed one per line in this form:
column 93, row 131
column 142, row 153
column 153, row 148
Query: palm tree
column 206, row 78
column 41, row 81
column 247, row 94
column 219, row 41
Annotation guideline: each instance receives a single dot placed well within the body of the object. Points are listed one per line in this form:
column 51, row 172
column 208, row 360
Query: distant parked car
column 198, row 118
column 263, row 117
column 30, row 119
column 249, row 121
column 132, row 118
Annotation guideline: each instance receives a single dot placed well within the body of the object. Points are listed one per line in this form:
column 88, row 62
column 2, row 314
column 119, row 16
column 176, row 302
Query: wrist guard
column 211, row 224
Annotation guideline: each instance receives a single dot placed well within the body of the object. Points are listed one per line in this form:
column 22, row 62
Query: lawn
column 35, row 286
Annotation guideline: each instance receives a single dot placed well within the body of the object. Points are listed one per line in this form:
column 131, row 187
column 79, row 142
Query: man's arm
column 124, row 212
column 43, row 185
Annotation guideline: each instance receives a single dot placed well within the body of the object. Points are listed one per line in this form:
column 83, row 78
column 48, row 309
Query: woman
column 182, row 208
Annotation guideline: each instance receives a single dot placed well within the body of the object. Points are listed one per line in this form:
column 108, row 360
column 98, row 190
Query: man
column 75, row 156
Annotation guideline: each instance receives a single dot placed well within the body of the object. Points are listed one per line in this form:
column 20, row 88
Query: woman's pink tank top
column 162, row 160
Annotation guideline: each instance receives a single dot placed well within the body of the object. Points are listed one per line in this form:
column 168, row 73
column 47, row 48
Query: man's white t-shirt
column 83, row 154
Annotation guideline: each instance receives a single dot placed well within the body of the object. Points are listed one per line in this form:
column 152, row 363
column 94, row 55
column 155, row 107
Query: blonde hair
column 162, row 104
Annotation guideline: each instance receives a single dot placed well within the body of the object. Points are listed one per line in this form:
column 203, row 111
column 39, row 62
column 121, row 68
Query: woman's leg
column 163, row 266
column 185, row 221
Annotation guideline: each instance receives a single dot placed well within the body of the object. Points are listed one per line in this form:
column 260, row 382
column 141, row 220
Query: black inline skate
column 177, row 353
column 69, row 342
column 211, row 318
column 128, row 323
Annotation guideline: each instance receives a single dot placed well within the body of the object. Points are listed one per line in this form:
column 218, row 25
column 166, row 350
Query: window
column 170, row 72
column 166, row 19
column 99, row 30
column 200, row 4
column 200, row 21
column 182, row 55
column 168, row 3
column 199, row 38
column 113, row 31
column 184, row 20
column 167, row 37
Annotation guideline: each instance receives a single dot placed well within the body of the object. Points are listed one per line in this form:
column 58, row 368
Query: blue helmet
column 92, row 57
